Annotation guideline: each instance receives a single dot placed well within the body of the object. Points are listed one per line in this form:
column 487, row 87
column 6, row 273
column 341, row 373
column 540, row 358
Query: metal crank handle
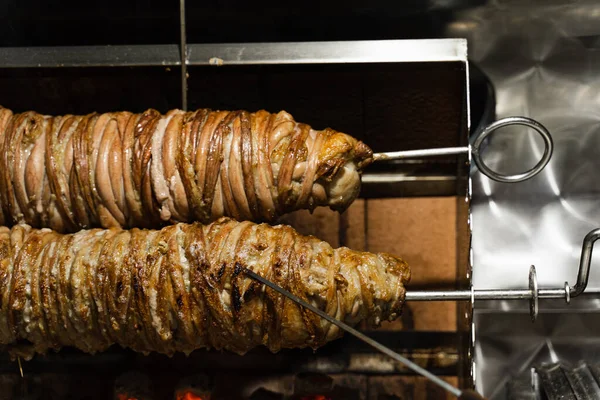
column 475, row 150
column 533, row 293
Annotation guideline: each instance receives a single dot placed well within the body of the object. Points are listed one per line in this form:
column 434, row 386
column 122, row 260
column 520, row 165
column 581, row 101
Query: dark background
column 81, row 22
column 391, row 107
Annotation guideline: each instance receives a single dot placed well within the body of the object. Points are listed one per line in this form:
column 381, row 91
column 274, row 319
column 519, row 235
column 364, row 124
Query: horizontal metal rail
column 90, row 56
column 218, row 54
column 361, row 51
column 491, row 294
column 533, row 293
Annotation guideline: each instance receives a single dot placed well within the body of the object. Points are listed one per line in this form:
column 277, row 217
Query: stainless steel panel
column 90, row 56
column 544, row 61
column 377, row 51
column 542, row 71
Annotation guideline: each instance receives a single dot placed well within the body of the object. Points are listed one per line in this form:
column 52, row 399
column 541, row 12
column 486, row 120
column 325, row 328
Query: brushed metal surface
column 375, row 51
column 217, row 54
column 90, row 56
column 543, row 71
column 543, row 59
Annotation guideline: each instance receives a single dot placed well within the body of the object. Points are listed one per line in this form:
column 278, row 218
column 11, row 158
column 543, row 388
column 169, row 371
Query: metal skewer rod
column 492, row 294
column 533, row 293
column 401, row 155
column 20, row 366
column 373, row 343
column 475, row 150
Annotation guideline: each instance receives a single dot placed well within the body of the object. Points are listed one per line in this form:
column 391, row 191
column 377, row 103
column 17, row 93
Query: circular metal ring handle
column 539, row 128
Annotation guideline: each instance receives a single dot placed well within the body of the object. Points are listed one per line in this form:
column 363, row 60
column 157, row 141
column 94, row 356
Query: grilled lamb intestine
column 148, row 170
column 183, row 287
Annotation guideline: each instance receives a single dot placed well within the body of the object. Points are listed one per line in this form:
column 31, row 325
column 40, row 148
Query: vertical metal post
column 183, row 48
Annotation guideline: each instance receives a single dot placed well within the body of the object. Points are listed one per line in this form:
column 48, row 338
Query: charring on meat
column 149, row 170
column 182, row 288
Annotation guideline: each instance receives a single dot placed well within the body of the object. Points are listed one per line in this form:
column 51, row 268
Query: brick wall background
column 423, row 231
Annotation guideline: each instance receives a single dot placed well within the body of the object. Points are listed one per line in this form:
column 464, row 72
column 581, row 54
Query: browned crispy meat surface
column 148, row 170
column 183, row 288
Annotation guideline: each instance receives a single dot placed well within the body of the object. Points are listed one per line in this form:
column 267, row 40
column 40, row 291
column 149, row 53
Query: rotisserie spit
column 148, row 170
column 183, row 288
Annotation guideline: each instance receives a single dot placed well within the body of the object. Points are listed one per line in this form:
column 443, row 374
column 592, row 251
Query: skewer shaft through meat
column 147, row 170
column 183, row 288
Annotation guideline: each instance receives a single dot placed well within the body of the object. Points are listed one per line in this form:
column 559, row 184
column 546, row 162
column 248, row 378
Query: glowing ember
column 316, row 397
column 190, row 396
column 122, row 396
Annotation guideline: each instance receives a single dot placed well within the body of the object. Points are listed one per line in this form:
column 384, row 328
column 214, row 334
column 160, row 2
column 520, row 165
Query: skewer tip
column 20, row 366
column 379, row 156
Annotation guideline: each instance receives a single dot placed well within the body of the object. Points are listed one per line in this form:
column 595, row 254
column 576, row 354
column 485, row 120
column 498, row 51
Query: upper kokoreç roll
column 148, row 170
column 183, row 288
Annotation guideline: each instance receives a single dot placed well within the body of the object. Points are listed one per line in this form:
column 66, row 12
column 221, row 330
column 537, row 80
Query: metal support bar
column 361, row 51
column 90, row 56
column 401, row 155
column 491, row 294
column 585, row 262
column 183, row 50
column 367, row 51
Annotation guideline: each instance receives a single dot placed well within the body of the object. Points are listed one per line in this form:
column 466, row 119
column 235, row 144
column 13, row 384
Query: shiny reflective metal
column 533, row 294
column 490, row 173
column 475, row 150
column 90, row 56
column 534, row 305
column 585, row 262
column 217, row 54
column 372, row 51
column 542, row 59
column 404, row 154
